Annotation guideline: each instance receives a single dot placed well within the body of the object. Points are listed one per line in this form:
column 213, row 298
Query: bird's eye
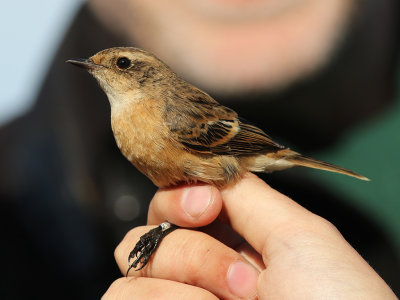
column 123, row 63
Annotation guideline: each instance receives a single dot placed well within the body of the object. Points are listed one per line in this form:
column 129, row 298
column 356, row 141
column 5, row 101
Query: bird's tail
column 303, row 161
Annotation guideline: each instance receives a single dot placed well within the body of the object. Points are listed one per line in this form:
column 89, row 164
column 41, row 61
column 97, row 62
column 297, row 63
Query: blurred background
column 30, row 34
column 327, row 87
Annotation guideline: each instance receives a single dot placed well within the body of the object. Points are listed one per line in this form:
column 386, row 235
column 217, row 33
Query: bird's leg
column 147, row 244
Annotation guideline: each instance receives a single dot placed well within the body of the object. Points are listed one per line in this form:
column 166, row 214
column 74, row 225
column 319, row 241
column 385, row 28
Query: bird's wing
column 249, row 139
column 210, row 128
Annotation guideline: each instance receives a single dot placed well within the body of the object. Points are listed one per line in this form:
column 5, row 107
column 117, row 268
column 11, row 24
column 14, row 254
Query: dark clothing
column 62, row 176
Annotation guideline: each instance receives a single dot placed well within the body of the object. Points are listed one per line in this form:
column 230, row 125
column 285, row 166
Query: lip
column 242, row 9
column 84, row 63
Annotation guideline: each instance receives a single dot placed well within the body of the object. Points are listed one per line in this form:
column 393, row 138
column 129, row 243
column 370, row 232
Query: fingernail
column 242, row 279
column 196, row 199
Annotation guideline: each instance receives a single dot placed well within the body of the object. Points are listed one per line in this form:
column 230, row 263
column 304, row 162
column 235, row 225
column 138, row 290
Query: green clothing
column 372, row 150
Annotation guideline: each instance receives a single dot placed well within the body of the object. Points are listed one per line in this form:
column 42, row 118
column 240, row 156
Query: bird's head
column 126, row 73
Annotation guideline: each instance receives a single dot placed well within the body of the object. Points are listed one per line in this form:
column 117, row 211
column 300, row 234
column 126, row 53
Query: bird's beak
column 85, row 63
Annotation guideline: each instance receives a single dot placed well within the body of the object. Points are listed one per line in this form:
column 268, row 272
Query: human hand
column 293, row 253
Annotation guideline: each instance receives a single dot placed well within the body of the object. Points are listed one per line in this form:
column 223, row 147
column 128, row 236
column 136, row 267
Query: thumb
column 263, row 216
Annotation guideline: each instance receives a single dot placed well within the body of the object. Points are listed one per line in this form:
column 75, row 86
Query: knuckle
column 316, row 227
column 304, row 234
column 121, row 248
column 118, row 251
column 325, row 226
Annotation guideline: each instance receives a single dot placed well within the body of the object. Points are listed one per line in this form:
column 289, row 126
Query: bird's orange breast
column 142, row 136
column 144, row 139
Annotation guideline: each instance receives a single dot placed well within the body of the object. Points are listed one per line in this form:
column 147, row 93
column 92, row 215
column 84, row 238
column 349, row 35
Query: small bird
column 175, row 133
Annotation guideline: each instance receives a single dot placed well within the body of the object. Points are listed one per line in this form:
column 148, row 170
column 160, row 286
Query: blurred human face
column 233, row 46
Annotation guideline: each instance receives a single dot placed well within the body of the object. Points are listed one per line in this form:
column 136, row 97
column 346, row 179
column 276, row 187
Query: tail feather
column 304, row 161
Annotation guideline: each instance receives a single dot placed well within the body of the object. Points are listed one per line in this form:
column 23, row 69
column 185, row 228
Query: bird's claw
column 147, row 244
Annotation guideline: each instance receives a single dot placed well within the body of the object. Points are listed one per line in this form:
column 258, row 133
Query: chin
column 235, row 46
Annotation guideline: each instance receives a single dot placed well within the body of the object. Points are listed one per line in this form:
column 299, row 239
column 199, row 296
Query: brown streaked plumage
column 175, row 133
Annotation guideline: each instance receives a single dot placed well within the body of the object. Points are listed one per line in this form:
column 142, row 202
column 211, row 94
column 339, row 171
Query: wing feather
column 202, row 125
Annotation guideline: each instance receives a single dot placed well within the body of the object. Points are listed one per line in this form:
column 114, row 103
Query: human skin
column 233, row 46
column 289, row 253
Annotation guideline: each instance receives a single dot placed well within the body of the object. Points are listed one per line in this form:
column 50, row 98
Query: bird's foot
column 147, row 244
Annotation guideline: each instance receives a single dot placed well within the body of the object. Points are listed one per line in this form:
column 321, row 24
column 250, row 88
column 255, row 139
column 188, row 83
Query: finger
column 193, row 205
column 251, row 255
column 153, row 288
column 293, row 241
column 265, row 217
column 194, row 258
column 224, row 233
